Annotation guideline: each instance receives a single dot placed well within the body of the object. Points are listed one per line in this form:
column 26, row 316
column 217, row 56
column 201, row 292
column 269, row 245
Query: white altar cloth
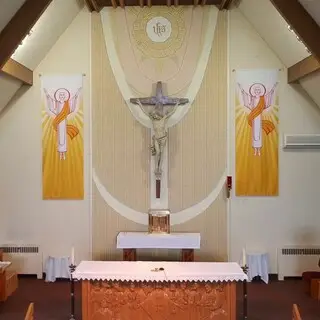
column 172, row 271
column 145, row 240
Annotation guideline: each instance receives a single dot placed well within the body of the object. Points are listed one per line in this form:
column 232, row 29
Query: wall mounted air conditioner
column 301, row 141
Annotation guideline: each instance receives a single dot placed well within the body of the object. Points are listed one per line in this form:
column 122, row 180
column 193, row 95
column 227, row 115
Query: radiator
column 294, row 260
column 26, row 259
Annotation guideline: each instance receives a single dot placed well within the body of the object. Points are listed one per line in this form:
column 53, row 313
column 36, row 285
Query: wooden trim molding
column 18, row 71
column 19, row 26
column 302, row 69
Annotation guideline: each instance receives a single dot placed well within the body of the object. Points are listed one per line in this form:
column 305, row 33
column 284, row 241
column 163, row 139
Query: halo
column 262, row 87
column 61, row 90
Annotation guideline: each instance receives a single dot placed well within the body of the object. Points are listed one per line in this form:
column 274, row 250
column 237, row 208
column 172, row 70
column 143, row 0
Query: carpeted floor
column 266, row 302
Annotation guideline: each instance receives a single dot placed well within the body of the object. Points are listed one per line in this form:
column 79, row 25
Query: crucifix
column 162, row 108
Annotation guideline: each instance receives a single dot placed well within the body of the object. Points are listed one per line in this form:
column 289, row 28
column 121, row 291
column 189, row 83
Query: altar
column 144, row 290
column 130, row 242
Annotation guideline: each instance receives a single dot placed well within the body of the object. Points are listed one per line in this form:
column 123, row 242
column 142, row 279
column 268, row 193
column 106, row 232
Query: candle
column 244, row 257
column 72, row 255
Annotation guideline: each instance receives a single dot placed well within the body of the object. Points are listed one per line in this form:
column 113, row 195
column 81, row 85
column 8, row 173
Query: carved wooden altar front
column 127, row 300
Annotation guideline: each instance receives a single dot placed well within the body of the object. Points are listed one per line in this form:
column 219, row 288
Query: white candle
column 244, row 257
column 72, row 255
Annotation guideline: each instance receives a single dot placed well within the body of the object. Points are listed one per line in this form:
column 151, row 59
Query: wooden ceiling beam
column 114, row 4
column 128, row 3
column 301, row 23
column 18, row 71
column 302, row 69
column 226, row 4
column 19, row 26
column 89, row 5
column 93, row 5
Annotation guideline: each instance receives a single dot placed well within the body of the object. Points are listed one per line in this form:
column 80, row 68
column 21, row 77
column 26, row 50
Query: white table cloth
column 145, row 240
column 258, row 264
column 150, row 271
column 57, row 267
column 4, row 265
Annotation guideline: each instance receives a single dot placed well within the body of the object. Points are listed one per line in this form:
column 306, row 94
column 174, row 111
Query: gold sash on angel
column 72, row 130
column 267, row 125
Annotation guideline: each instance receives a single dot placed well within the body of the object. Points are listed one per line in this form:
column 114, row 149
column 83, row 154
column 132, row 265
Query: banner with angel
column 256, row 132
column 62, row 137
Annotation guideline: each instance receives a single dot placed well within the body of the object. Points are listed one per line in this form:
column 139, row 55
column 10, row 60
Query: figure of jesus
column 61, row 106
column 257, row 100
column 159, row 119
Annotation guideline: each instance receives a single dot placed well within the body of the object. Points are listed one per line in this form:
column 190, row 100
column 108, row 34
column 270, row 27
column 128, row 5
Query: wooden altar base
column 110, row 300
column 187, row 255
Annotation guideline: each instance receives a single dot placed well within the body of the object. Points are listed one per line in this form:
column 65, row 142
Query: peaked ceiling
column 8, row 8
column 269, row 17
column 47, row 20
column 272, row 19
column 313, row 8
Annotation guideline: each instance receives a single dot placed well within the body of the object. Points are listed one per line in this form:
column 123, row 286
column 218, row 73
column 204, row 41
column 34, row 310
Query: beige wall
column 257, row 223
column 268, row 223
column 25, row 218
column 197, row 154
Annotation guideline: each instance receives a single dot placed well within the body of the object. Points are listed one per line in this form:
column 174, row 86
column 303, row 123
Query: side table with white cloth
column 57, row 267
column 129, row 242
column 258, row 265
column 158, row 290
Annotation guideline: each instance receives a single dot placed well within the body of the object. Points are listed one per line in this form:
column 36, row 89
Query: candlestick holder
column 72, row 268
column 245, row 269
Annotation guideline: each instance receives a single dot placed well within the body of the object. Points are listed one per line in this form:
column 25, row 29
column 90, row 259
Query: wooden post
column 129, row 255
column 245, row 295
column 158, row 188
column 187, row 255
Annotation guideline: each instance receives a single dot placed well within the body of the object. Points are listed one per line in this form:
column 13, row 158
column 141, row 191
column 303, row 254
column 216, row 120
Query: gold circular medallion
column 159, row 32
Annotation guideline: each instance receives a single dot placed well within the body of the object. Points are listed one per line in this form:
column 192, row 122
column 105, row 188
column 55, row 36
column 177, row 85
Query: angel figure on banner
column 61, row 106
column 257, row 100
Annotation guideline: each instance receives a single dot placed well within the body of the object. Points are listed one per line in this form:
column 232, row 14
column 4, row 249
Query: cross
column 159, row 101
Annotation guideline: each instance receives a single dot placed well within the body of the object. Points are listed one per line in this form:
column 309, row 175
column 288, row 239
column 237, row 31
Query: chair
column 8, row 281
column 295, row 313
column 30, row 312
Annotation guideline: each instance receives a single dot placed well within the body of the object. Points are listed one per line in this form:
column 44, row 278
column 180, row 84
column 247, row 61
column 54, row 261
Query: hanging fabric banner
column 256, row 132
column 62, row 137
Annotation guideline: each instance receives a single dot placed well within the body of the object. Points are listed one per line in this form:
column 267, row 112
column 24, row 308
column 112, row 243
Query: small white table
column 258, row 265
column 57, row 267
column 129, row 242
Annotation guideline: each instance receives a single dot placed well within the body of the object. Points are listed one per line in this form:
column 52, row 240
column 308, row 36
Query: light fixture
column 26, row 37
column 290, row 29
column 23, row 40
